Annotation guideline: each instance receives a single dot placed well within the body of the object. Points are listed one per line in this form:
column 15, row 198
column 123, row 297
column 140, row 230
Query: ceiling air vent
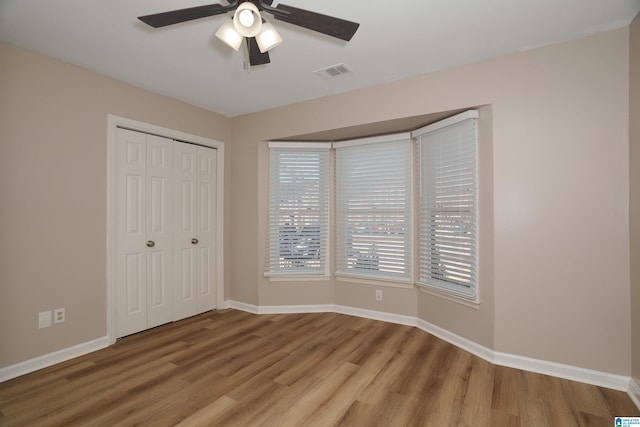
column 333, row 71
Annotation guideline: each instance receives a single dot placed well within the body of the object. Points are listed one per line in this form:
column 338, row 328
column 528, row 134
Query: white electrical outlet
column 378, row 294
column 58, row 315
column 44, row 319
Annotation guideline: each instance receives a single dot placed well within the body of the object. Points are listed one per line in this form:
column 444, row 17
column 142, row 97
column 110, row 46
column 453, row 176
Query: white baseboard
column 279, row 309
column 598, row 378
column 291, row 309
column 588, row 376
column 375, row 315
column 574, row 373
column 461, row 342
column 46, row 360
column 249, row 308
column 634, row 392
column 322, row 308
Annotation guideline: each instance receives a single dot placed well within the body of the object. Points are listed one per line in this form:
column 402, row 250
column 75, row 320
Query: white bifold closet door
column 194, row 189
column 165, row 236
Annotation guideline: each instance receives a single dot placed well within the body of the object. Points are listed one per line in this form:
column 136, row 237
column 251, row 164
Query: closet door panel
column 131, row 310
column 185, row 208
column 134, row 285
column 206, row 181
column 159, row 225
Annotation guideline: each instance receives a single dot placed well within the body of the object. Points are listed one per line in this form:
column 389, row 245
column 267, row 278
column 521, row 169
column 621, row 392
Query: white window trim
column 469, row 114
column 294, row 276
column 347, row 276
column 282, row 277
column 372, row 140
column 442, row 291
column 285, row 144
column 376, row 281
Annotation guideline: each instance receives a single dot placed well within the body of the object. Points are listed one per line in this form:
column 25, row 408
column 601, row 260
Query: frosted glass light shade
column 228, row 34
column 243, row 15
column 268, row 38
column 246, row 18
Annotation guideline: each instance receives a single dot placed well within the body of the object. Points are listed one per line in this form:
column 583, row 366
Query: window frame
column 448, row 288
column 341, row 254
column 325, row 248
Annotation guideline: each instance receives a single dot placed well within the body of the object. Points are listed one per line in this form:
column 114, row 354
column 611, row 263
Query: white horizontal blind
column 448, row 209
column 298, row 211
column 373, row 209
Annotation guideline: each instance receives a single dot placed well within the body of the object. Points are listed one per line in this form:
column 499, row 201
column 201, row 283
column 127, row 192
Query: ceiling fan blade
column 255, row 56
column 163, row 19
column 324, row 24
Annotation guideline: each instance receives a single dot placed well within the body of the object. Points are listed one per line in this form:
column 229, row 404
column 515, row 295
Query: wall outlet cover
column 58, row 315
column 44, row 319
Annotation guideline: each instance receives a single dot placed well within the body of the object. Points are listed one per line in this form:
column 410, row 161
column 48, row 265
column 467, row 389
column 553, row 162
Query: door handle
column 150, row 243
column 194, row 241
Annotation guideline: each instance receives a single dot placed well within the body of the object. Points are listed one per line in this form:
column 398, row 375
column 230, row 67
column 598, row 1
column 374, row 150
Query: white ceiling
column 396, row 39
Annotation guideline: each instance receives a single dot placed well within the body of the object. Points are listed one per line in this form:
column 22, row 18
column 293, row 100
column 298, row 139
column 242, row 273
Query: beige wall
column 555, row 264
column 53, row 136
column 561, row 204
column 634, row 191
column 558, row 277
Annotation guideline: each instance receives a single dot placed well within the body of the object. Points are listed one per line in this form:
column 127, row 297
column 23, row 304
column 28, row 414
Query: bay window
column 374, row 208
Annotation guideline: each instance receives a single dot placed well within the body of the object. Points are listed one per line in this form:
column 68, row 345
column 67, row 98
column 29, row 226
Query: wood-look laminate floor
column 231, row 368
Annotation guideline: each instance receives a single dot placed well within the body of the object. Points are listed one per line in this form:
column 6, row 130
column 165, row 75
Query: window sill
column 296, row 278
column 436, row 292
column 375, row 282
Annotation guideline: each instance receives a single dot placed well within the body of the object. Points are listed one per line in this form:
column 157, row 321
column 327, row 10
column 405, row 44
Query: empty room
column 323, row 213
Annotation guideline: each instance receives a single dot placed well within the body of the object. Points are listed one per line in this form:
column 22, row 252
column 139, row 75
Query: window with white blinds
column 447, row 205
column 298, row 209
column 373, row 208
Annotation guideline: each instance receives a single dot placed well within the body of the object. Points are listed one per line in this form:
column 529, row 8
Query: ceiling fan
column 247, row 24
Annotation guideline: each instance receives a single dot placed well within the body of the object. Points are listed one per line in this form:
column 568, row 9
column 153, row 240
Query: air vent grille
column 333, row 71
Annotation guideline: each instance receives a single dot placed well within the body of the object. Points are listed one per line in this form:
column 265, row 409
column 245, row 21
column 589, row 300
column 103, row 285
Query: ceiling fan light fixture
column 247, row 23
column 247, row 20
column 228, row 34
column 268, row 38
